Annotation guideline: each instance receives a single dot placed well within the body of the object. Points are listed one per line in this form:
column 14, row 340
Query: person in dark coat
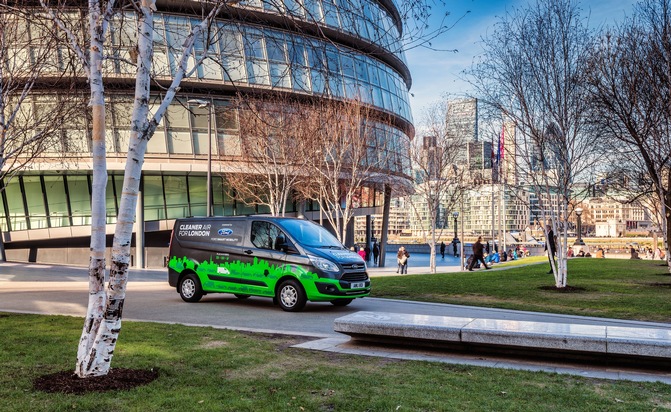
column 454, row 248
column 478, row 254
column 367, row 250
column 442, row 249
column 551, row 243
column 376, row 252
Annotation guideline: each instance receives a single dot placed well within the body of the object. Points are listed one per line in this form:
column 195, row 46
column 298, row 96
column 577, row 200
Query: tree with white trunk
column 103, row 320
column 533, row 72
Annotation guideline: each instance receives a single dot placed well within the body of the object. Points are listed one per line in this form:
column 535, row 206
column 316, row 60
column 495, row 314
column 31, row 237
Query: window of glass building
column 111, row 210
column 176, row 199
column 59, row 215
column 257, row 67
column 154, row 203
column 80, row 199
column 17, row 213
column 197, row 195
column 32, row 188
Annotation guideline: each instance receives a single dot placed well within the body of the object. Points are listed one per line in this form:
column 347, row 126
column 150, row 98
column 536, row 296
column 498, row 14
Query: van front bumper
column 337, row 289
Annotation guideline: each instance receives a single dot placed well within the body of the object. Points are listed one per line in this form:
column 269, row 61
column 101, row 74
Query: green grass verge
column 203, row 369
column 613, row 288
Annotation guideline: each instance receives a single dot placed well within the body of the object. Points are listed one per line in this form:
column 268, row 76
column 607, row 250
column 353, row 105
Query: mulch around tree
column 117, row 379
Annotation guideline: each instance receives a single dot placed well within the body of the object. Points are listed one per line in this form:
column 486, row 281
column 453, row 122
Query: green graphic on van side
column 257, row 278
column 259, row 268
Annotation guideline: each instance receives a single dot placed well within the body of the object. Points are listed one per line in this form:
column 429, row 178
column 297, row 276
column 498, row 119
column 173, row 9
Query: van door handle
column 249, row 252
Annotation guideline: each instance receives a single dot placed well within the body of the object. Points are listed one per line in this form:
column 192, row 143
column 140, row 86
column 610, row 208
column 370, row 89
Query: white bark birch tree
column 103, row 321
column 533, row 72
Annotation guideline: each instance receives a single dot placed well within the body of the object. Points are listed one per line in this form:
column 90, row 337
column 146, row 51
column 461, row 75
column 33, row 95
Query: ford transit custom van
column 289, row 260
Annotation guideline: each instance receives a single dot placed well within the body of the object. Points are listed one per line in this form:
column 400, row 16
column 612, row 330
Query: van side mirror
column 281, row 244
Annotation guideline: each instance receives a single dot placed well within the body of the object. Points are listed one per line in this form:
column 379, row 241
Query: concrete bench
column 511, row 336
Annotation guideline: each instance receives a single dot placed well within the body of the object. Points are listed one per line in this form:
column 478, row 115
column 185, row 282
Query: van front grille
column 355, row 277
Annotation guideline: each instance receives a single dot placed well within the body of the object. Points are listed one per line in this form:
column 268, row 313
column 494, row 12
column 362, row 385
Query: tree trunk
column 93, row 353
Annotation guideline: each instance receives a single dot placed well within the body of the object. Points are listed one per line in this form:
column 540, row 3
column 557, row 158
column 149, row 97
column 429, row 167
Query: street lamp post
column 455, row 241
column 456, row 238
column 206, row 103
column 578, row 240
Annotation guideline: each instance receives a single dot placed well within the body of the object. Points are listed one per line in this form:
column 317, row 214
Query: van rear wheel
column 290, row 296
column 341, row 302
column 190, row 289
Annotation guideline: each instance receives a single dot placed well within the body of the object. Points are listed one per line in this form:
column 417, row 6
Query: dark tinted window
column 266, row 235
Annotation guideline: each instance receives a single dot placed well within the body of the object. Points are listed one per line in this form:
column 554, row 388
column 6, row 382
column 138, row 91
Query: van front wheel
column 290, row 296
column 190, row 289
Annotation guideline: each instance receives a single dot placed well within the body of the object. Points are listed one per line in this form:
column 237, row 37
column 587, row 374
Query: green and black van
column 290, row 260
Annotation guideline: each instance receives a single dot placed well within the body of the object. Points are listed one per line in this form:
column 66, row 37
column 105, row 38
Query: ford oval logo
column 355, row 266
column 225, row 232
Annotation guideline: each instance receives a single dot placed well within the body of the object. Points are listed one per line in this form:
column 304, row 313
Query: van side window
column 266, row 235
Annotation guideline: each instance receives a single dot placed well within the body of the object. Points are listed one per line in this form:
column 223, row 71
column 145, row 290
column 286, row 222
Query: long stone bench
column 615, row 343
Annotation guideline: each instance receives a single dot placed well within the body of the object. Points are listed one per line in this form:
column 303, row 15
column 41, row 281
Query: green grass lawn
column 613, row 288
column 203, row 369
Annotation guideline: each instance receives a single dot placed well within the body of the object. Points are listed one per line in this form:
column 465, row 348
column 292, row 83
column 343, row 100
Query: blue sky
column 435, row 73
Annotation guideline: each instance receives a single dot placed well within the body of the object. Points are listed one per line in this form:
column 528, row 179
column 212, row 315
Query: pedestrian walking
column 367, row 250
column 376, row 253
column 442, row 250
column 478, row 254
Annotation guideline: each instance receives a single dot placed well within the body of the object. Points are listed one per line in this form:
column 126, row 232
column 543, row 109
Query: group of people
column 366, row 253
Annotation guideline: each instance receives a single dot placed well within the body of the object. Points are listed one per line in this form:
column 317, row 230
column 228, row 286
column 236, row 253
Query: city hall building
column 307, row 49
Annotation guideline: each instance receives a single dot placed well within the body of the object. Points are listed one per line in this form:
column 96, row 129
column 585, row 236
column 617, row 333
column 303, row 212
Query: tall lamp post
column 455, row 215
column 201, row 104
column 578, row 240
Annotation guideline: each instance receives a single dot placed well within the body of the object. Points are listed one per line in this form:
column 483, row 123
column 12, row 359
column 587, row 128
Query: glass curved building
column 309, row 49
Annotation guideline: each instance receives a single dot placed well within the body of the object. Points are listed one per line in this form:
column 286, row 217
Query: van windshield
column 310, row 234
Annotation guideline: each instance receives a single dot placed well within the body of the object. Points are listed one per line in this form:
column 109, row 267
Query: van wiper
column 329, row 247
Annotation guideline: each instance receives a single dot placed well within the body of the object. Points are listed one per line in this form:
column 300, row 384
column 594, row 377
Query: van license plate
column 357, row 285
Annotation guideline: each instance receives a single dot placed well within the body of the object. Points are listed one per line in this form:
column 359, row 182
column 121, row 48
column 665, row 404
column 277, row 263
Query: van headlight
column 324, row 264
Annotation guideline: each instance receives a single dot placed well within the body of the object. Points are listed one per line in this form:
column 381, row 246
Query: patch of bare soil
column 117, row 379
column 566, row 289
column 661, row 285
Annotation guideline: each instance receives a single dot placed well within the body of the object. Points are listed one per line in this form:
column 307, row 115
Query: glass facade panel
column 200, row 143
column 17, row 213
column 80, row 199
column 177, row 115
column 32, row 187
column 243, row 209
column 179, row 141
column 154, row 204
column 3, row 218
column 176, row 199
column 157, row 143
column 110, row 203
column 59, row 215
column 197, row 195
column 217, row 196
column 230, row 145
